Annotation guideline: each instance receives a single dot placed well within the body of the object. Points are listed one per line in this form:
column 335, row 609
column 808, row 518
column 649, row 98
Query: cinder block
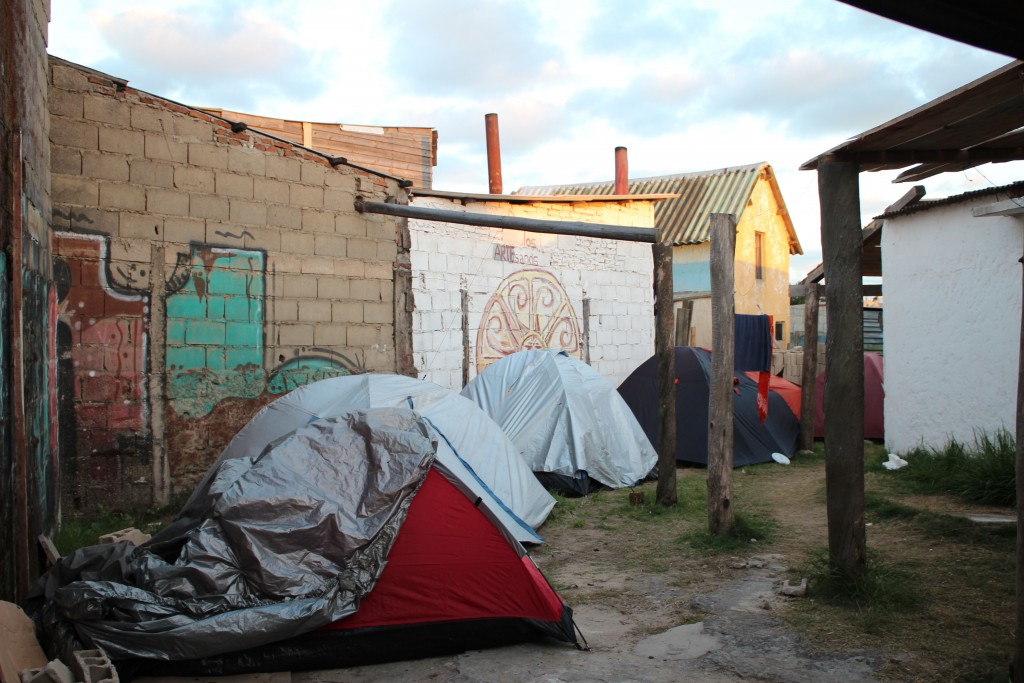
column 361, row 248
column 332, row 288
column 350, row 224
column 365, row 336
column 270, row 190
column 208, row 155
column 318, row 265
column 312, row 173
column 233, row 185
column 347, row 267
column 151, row 119
column 247, row 161
column 317, row 221
column 103, row 166
column 388, row 251
column 285, row 310
column 167, row 202
column 381, row 227
column 165, row 148
column 74, row 190
column 66, row 103
column 374, row 312
column 65, row 160
column 284, row 168
column 314, row 310
column 347, row 312
column 77, row 134
column 122, row 141
column 54, row 672
column 143, row 226
column 194, row 179
column 306, row 196
column 248, row 212
column 338, row 200
column 184, row 230
column 93, row 666
column 300, row 286
column 366, row 290
column 341, row 178
column 379, row 270
column 295, row 242
column 268, row 239
column 69, row 78
column 106, row 109
column 331, row 245
column 296, row 335
column 208, row 206
column 289, row 217
column 122, row 196
column 152, row 173
column 330, row 335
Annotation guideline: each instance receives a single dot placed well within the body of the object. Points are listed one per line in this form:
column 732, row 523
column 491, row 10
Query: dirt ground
column 704, row 619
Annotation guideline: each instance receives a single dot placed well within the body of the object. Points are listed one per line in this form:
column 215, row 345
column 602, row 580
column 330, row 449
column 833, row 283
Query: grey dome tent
column 566, row 419
column 470, row 442
column 343, row 542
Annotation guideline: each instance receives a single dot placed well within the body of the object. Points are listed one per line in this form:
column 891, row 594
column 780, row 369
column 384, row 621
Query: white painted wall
column 952, row 325
column 616, row 276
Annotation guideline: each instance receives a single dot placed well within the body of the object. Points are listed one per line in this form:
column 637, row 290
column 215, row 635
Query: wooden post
column 809, row 375
column 720, row 409
column 465, row 336
column 683, row 323
column 586, row 329
column 1018, row 653
column 665, row 350
column 839, row 193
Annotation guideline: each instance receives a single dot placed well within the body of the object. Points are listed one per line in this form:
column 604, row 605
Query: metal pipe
column 493, row 153
column 621, row 171
column 614, row 232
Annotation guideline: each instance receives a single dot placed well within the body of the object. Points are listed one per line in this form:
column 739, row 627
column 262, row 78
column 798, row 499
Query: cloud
column 472, row 46
column 217, row 57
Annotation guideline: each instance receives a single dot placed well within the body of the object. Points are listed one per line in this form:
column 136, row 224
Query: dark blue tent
column 753, row 442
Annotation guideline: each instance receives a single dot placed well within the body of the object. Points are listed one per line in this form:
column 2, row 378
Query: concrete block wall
column 527, row 290
column 204, row 273
column 28, row 477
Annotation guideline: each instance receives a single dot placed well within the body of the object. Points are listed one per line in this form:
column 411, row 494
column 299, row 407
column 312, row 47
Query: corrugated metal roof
column 684, row 219
column 1011, row 191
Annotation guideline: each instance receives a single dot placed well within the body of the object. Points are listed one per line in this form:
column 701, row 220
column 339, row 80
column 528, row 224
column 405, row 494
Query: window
column 759, row 255
column 780, row 330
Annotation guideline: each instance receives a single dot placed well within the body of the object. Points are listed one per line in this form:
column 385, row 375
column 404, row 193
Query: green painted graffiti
column 215, row 330
column 299, row 371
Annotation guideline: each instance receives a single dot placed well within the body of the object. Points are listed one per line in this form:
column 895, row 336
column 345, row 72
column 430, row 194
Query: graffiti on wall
column 216, row 316
column 529, row 310
column 101, row 337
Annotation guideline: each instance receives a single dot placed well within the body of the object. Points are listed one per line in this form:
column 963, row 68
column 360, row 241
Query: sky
column 685, row 85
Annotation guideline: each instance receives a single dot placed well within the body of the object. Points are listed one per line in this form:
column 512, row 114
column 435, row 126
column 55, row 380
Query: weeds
column 983, row 472
column 749, row 530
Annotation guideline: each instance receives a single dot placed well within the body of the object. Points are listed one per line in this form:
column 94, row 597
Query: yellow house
column 765, row 239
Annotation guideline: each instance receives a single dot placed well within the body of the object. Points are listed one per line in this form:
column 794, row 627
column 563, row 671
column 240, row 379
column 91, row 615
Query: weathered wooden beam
column 839, row 194
column 809, row 373
column 721, row 516
column 664, row 349
column 615, row 232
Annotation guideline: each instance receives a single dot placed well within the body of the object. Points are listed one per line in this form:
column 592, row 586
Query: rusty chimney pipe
column 621, row 171
column 493, row 153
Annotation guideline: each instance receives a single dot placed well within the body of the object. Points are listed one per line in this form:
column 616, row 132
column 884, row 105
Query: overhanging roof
column 989, row 24
column 980, row 123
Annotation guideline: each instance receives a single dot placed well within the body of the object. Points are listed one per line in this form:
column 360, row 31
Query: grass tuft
column 750, row 530
column 983, row 472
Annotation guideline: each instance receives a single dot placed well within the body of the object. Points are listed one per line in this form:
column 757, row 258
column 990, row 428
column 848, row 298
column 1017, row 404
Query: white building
column 952, row 317
column 483, row 293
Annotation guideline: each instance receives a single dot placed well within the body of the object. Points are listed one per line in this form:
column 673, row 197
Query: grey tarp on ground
column 471, row 446
column 564, row 417
column 293, row 543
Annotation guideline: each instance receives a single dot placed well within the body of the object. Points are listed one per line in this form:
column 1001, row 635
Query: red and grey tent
column 344, row 542
column 753, row 441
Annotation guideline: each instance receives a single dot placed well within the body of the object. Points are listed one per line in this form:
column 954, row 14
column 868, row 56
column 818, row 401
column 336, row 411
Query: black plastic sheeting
column 290, row 542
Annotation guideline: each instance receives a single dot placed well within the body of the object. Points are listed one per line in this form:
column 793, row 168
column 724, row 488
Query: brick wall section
column 28, row 477
column 617, row 278
column 270, row 277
